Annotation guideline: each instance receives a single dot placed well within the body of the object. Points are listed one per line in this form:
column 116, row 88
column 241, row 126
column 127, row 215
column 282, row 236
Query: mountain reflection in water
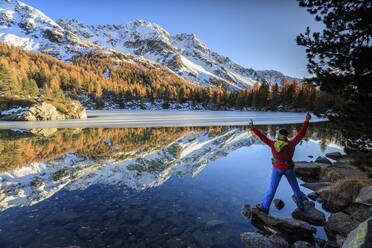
column 131, row 186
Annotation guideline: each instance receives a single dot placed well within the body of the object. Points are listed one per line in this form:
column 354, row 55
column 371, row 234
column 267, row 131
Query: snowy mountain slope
column 138, row 41
column 138, row 170
column 24, row 26
column 185, row 54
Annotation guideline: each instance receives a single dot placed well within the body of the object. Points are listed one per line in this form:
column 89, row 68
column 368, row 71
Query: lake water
column 140, row 187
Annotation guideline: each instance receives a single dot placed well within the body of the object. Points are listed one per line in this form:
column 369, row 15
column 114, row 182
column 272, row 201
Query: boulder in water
column 279, row 240
column 334, row 155
column 279, row 204
column 313, row 195
column 340, row 223
column 290, row 229
column 322, row 160
column 253, row 239
column 247, row 211
column 333, row 200
column 309, row 171
column 310, row 215
column 302, row 244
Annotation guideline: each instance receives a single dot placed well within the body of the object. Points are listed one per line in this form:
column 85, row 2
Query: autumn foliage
column 30, row 74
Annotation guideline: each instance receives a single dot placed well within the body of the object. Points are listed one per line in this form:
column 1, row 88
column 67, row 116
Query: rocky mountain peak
column 146, row 30
column 184, row 54
column 21, row 13
column 190, row 41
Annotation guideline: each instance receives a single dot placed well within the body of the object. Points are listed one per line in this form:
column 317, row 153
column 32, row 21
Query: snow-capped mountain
column 139, row 41
column 24, row 26
column 141, row 169
column 185, row 54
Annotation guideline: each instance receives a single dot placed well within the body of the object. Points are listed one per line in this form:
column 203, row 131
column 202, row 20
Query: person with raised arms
column 282, row 150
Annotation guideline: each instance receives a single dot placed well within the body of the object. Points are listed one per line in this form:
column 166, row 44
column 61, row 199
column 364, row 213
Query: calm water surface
column 139, row 187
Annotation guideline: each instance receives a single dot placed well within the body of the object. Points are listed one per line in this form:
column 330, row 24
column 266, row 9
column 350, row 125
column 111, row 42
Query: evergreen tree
column 8, row 84
column 275, row 96
column 340, row 58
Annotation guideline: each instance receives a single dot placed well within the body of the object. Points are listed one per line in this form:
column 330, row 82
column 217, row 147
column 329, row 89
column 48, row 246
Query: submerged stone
column 214, row 223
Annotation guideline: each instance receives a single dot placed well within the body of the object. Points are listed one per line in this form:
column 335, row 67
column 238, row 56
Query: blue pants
column 275, row 179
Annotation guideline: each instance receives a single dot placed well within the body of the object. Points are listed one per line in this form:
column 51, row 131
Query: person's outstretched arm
column 260, row 134
column 302, row 132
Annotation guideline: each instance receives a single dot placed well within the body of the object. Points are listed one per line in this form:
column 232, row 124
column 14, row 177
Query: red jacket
column 287, row 151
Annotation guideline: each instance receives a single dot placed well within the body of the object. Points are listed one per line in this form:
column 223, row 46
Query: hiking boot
column 261, row 208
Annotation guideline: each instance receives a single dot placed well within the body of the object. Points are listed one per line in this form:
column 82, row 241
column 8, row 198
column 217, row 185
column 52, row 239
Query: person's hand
column 251, row 124
column 308, row 116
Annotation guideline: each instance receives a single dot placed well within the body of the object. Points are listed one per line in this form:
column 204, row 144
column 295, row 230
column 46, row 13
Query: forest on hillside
column 31, row 75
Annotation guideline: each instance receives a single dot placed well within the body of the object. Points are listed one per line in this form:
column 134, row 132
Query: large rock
column 326, row 243
column 46, row 111
column 306, row 201
column 309, row 171
column 253, row 239
column 42, row 111
column 365, row 196
column 363, row 213
column 333, row 200
column 360, row 237
column 334, row 155
column 291, row 229
column 279, row 240
column 322, row 160
column 310, row 215
column 313, row 196
column 302, row 244
column 340, row 223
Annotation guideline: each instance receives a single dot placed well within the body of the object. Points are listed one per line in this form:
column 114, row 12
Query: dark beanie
column 283, row 132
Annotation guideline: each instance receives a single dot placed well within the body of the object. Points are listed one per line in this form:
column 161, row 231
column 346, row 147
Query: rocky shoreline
column 39, row 110
column 343, row 190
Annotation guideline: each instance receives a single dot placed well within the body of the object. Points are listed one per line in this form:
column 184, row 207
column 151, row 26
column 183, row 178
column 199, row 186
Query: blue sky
column 255, row 34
